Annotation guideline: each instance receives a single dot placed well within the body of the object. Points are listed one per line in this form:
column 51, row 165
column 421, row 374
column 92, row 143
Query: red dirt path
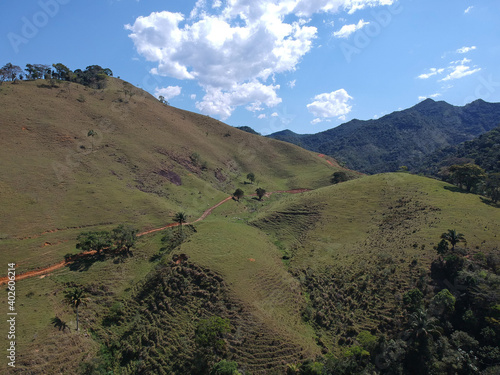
column 46, row 270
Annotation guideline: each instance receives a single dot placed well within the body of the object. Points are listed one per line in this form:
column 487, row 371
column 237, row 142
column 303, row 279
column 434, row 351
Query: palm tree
column 453, row 237
column 180, row 218
column 75, row 298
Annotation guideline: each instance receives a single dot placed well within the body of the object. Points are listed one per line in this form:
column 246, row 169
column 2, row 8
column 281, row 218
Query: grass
column 354, row 242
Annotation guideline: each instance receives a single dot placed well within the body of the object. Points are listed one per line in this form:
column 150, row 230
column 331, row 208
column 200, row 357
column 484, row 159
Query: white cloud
column 420, row 98
column 347, row 30
column 261, row 116
column 230, row 44
column 291, row 84
column 333, row 104
column 432, row 72
column 223, row 102
column 274, row 114
column 316, row 121
column 466, row 49
column 468, row 9
column 460, row 71
column 193, row 96
column 168, row 92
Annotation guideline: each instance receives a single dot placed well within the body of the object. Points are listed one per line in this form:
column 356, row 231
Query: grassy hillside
column 146, row 162
column 294, row 276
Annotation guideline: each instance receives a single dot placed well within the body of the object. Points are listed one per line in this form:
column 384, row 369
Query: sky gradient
column 305, row 65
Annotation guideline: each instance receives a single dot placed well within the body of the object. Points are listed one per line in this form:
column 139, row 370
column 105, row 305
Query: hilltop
column 402, row 138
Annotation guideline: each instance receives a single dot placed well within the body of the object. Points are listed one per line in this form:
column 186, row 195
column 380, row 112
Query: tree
column 180, row 218
column 442, row 247
column 260, row 193
column 453, row 237
column 413, row 299
column 238, row 194
column 340, row 176
column 98, row 241
column 75, row 298
column 11, row 72
column 92, row 134
column 251, row 177
column 162, row 100
column 124, row 237
column 468, row 175
column 493, row 187
column 209, row 335
column 62, row 72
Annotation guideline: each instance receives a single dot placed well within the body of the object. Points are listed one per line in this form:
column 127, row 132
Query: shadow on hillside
column 456, row 189
column 83, row 263
column 489, row 202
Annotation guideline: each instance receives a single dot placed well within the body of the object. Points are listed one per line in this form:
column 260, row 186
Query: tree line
column 93, row 76
column 473, row 178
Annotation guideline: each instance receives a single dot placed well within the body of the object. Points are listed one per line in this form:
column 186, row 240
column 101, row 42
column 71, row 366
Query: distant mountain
column 483, row 151
column 247, row 129
column 400, row 138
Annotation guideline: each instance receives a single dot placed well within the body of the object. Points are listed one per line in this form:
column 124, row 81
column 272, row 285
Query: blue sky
column 305, row 65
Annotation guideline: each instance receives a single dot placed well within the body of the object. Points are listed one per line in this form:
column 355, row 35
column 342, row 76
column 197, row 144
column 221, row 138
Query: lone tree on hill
column 124, row 237
column 339, row 177
column 260, row 193
column 75, row 298
column 238, row 194
column 251, row 177
column 180, row 218
column 453, row 237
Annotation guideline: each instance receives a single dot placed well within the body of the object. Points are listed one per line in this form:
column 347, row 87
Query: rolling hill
column 302, row 275
column 402, row 138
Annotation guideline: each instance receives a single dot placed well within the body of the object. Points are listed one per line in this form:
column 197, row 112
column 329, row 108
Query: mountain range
column 402, row 138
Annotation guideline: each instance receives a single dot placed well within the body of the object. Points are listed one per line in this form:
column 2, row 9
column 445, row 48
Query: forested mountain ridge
column 402, row 138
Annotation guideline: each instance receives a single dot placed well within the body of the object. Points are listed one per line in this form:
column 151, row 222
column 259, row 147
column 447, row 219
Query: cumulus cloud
column 221, row 102
column 168, row 92
column 261, row 116
column 274, row 114
column 466, row 49
column 328, row 105
column 193, row 96
column 468, row 9
column 225, row 46
column 347, row 30
column 291, row 84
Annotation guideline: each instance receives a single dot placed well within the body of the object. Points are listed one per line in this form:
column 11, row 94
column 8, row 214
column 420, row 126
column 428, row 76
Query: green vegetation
column 341, row 279
column 260, row 193
column 75, row 298
column 406, row 137
column 238, row 193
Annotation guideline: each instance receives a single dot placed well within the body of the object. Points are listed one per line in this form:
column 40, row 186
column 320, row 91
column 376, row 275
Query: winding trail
column 56, row 266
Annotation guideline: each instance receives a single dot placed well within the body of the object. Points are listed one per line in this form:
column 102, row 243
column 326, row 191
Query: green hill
column 268, row 284
column 483, row 151
column 402, row 138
